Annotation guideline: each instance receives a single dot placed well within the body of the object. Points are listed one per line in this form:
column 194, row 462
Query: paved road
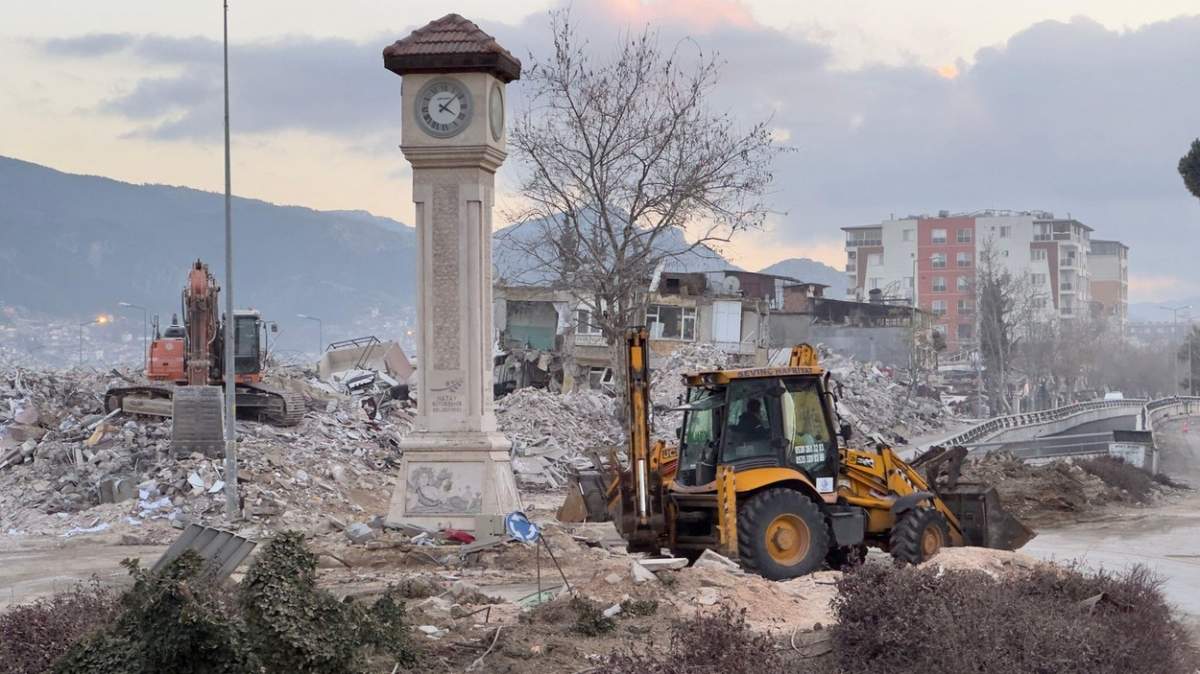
column 1166, row 538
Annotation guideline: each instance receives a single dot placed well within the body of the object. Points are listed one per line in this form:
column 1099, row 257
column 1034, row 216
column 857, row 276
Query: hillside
column 810, row 270
column 75, row 245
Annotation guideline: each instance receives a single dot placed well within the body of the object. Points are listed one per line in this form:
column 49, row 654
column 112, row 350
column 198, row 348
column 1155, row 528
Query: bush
column 34, row 635
column 179, row 621
column 1116, row 473
column 935, row 621
column 175, row 621
column 715, row 643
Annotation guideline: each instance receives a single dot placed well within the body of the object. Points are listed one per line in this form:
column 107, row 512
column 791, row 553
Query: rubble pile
column 667, row 390
column 75, row 469
column 879, row 404
column 1041, row 493
column 551, row 432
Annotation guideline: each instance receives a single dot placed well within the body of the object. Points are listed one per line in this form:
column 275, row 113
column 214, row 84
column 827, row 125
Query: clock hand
column 445, row 107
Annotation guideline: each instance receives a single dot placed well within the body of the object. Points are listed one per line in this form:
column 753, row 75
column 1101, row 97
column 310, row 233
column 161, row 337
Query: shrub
column 33, row 636
column 713, row 643
column 1116, row 473
column 175, row 621
column 180, row 621
column 294, row 626
column 936, row 621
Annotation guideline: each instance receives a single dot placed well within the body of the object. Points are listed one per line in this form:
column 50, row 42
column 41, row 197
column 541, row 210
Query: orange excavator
column 186, row 372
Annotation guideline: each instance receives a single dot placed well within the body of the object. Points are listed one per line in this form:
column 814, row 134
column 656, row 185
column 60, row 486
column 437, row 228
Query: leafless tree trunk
column 620, row 155
column 1007, row 313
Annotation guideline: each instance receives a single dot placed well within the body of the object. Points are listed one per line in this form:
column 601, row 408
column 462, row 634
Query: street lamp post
column 99, row 320
column 320, row 332
column 232, row 505
column 145, row 320
column 1175, row 355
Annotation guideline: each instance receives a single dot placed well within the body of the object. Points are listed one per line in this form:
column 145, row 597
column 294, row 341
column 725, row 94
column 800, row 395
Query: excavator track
column 152, row 399
column 198, row 421
column 284, row 408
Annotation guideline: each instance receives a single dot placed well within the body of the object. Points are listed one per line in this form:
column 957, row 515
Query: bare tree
column 621, row 155
column 1008, row 307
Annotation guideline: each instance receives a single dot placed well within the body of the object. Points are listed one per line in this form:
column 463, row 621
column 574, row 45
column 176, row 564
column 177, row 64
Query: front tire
column 782, row 534
column 918, row 535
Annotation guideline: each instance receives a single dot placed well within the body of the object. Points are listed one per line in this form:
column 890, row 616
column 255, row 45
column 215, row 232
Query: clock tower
column 456, row 464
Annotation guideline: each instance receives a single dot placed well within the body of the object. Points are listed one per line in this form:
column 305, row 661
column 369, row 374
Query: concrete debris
column 77, row 463
column 641, row 574
column 667, row 389
column 359, row 533
column 664, row 563
column 716, row 562
column 551, row 433
column 708, row 596
column 882, row 403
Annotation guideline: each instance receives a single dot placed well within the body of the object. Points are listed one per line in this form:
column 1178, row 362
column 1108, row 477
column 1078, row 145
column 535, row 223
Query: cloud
column 327, row 86
column 1066, row 116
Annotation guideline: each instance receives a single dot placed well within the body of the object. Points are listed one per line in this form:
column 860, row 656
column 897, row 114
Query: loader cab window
column 753, row 420
column 245, row 345
column 702, row 419
column 807, row 429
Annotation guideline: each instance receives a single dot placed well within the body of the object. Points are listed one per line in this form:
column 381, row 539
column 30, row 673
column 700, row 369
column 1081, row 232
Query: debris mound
column 551, row 432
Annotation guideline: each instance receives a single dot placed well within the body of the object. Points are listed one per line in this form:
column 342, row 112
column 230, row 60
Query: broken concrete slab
column 641, row 574
column 716, row 561
column 664, row 563
column 359, row 533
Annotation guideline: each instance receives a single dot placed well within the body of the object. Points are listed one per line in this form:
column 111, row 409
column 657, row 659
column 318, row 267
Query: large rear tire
column 782, row 534
column 918, row 535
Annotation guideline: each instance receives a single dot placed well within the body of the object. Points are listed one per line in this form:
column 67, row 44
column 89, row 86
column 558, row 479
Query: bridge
column 1121, row 427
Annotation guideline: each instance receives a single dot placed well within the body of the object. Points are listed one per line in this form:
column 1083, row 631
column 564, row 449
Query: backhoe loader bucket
column 984, row 520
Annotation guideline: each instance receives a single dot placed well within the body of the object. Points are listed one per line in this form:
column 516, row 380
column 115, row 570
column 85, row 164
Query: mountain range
column 76, row 245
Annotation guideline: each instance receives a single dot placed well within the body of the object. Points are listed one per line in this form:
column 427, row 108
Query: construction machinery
column 186, row 371
column 760, row 476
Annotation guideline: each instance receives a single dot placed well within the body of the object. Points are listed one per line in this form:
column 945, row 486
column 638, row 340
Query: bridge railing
column 987, row 429
column 1163, row 408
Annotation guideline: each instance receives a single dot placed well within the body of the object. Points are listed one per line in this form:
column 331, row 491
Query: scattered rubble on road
column 553, row 432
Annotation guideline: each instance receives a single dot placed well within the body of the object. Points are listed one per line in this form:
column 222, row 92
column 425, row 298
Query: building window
column 965, row 236
column 938, row 260
column 938, row 307
column 939, row 235
column 963, row 284
column 906, row 235
column 1037, row 279
column 939, row 284
column 1005, row 231
column 583, row 323
column 963, row 259
column 1037, row 254
column 668, row 322
column 874, row 259
column 1038, row 303
column 966, row 306
column 965, row 330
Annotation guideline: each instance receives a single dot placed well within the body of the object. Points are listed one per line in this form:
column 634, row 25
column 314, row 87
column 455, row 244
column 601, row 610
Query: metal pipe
column 231, row 467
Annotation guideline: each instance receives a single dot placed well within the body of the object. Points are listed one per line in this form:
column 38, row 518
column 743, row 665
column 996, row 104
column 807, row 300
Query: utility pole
column 231, row 467
column 1175, row 354
column 320, row 333
column 145, row 316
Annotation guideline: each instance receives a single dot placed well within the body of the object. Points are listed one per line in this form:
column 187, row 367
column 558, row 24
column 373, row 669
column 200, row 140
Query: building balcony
column 855, row 243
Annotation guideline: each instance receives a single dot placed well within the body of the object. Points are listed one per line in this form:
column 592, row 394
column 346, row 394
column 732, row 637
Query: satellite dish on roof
column 732, row 285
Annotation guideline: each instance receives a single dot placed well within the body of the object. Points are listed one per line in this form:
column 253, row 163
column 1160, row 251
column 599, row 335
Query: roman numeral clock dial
column 443, row 108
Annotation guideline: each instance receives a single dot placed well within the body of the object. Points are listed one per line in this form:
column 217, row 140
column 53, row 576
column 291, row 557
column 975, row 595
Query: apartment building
column 1108, row 263
column 932, row 261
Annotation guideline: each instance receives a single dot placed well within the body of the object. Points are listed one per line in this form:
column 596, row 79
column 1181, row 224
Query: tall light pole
column 231, row 467
column 145, row 321
column 1175, row 354
column 99, row 320
column 320, row 332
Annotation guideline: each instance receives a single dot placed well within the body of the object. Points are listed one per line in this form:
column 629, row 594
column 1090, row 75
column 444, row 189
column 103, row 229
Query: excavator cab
column 247, row 345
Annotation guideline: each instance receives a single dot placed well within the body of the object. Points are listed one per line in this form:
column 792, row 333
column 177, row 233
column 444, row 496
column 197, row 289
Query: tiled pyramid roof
column 451, row 43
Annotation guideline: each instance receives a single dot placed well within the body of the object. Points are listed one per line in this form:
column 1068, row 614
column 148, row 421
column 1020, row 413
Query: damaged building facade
column 546, row 338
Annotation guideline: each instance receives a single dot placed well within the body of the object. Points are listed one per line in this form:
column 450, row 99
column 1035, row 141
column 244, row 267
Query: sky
column 1081, row 107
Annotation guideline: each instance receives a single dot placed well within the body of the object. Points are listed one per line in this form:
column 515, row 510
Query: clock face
column 443, row 108
column 496, row 112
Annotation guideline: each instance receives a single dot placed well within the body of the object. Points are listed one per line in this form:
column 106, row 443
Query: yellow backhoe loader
column 759, row 475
